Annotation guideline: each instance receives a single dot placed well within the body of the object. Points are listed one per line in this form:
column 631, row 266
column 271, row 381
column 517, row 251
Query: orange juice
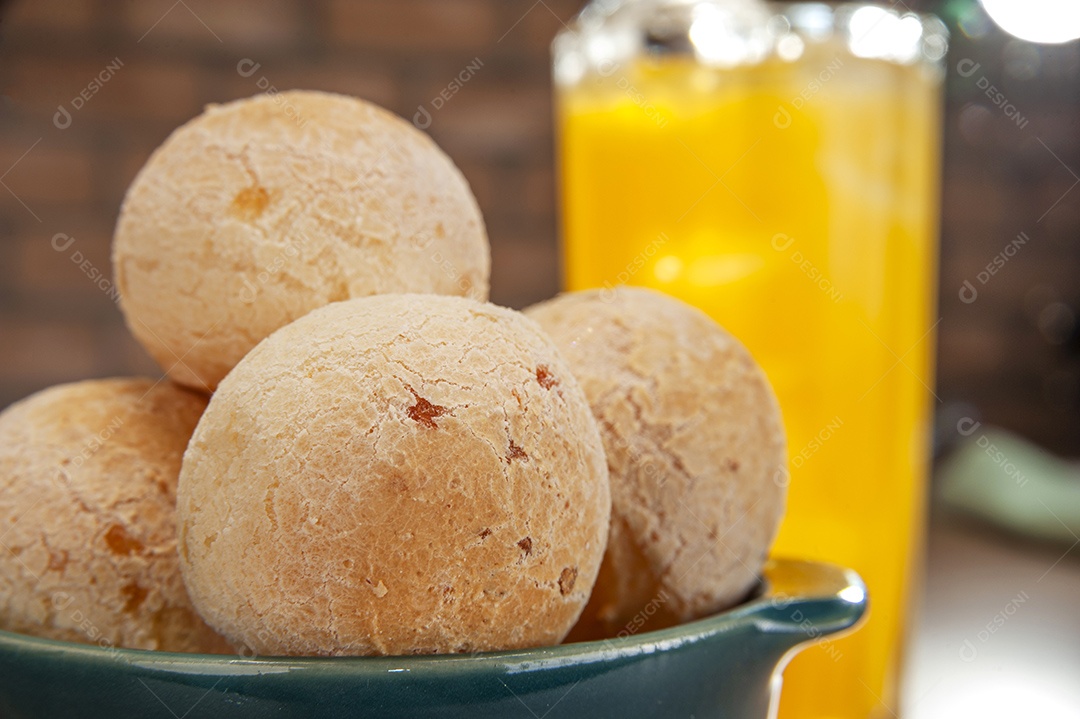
column 795, row 202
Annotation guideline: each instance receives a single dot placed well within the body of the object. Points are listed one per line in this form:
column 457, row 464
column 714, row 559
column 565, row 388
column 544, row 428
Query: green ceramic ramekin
column 721, row 666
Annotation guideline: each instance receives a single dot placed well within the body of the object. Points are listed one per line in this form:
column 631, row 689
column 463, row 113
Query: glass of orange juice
column 777, row 166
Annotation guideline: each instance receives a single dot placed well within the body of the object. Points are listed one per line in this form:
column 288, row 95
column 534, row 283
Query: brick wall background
column 1013, row 353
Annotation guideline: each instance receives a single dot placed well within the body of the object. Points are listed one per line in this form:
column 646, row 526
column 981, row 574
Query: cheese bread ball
column 695, row 447
column 260, row 210
column 396, row 474
column 87, row 515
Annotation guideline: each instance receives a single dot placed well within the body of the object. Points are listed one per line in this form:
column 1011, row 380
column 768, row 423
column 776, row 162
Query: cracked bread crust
column 397, row 474
column 87, row 513
column 258, row 211
column 696, row 451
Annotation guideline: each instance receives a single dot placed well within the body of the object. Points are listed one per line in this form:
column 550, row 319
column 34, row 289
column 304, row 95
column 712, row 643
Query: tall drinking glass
column 777, row 166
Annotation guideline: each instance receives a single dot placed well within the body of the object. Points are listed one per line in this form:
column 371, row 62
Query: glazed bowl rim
column 795, row 602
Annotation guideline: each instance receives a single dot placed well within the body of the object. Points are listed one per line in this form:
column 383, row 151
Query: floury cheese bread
column 396, row 474
column 695, row 447
column 87, row 509
column 260, row 210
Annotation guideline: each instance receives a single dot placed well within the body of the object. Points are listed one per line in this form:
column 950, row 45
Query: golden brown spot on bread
column 135, row 595
column 424, row 412
column 379, row 589
column 250, row 202
column 526, row 545
column 515, row 452
column 58, row 561
column 120, row 542
column 545, row 378
column 566, row 580
column 732, row 465
column 485, row 533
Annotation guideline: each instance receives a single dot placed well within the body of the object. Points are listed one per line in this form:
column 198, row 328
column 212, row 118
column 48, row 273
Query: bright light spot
column 814, row 19
column 879, row 33
column 668, row 268
column 712, row 37
column 790, row 47
column 865, row 19
column 907, row 34
column 601, row 51
column 854, row 595
column 569, row 67
column 720, row 37
column 1045, row 21
column 723, row 269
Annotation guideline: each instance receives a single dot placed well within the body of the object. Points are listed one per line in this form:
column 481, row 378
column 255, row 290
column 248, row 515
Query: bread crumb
column 566, row 580
column 135, row 596
column 120, row 542
column 515, row 452
column 58, row 561
column 545, row 378
column 250, row 202
column 424, row 412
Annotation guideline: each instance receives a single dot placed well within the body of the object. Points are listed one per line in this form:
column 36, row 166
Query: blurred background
column 88, row 88
column 1014, row 354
